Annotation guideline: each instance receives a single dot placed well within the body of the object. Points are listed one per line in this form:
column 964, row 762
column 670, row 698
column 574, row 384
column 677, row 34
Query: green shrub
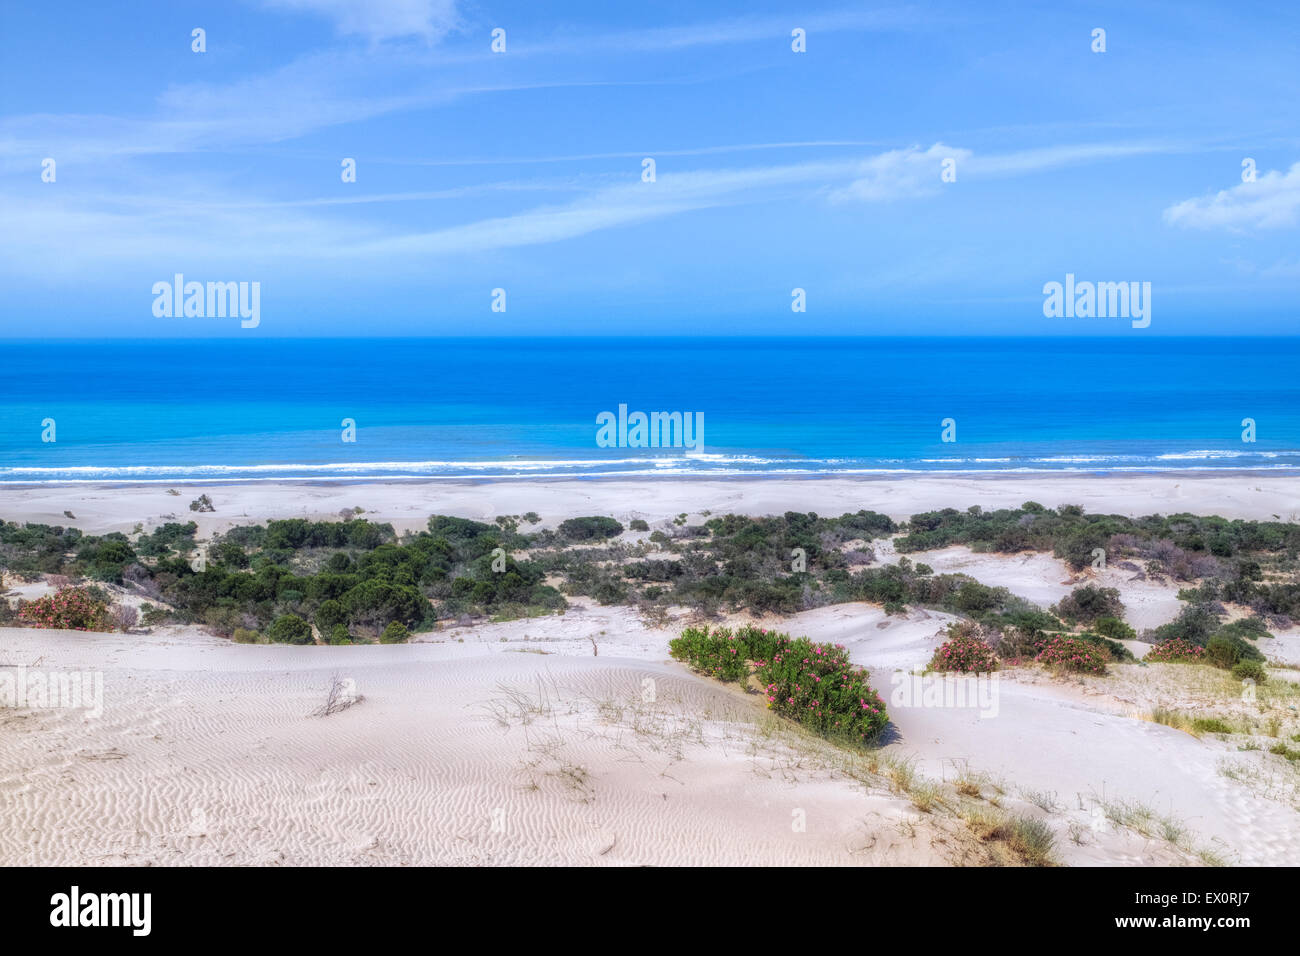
column 339, row 634
column 1282, row 750
column 289, row 629
column 1089, row 603
column 593, row 528
column 331, row 614
column 1249, row 670
column 1227, row 648
column 638, row 524
column 152, row 615
column 1210, row 725
column 1113, row 628
column 243, row 635
column 721, row 653
column 1114, row 649
column 395, row 633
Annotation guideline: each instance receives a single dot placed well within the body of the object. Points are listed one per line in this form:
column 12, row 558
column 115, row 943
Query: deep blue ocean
column 255, row 408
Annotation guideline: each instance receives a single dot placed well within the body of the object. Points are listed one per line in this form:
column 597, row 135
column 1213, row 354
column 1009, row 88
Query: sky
column 523, row 169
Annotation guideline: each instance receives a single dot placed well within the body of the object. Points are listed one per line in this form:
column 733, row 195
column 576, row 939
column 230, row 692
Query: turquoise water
column 260, row 408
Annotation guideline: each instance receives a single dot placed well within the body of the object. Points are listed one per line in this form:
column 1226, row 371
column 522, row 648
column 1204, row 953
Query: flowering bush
column 816, row 685
column 1073, row 654
column 1176, row 650
column 73, row 609
column 813, row 684
column 964, row 652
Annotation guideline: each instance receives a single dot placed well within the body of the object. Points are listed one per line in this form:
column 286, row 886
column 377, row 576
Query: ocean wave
column 691, row 465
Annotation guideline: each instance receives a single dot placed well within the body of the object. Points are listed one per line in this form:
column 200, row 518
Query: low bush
column 1073, row 654
column 69, row 608
column 1210, row 725
column 1114, row 649
column 815, row 685
column 724, row 654
column 1090, row 603
column 593, row 528
column 1249, row 670
column 810, row 683
column 1228, row 648
column 124, row 617
column 290, row 629
column 1113, row 628
column 395, row 633
column 964, row 651
column 1176, row 650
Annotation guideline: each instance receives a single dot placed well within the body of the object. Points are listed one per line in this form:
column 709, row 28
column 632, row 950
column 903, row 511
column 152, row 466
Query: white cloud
column 380, row 20
column 1272, row 201
column 898, row 174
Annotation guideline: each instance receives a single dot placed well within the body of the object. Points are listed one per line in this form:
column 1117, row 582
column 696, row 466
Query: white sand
column 408, row 504
column 513, row 744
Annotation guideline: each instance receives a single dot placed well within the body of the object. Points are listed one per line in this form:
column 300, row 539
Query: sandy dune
column 207, row 753
column 573, row 738
column 1044, row 580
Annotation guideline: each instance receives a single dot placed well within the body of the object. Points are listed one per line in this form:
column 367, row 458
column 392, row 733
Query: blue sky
column 522, row 170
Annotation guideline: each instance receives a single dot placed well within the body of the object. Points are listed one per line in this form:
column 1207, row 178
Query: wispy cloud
column 382, row 20
column 750, row 29
column 898, row 174
column 1272, row 201
column 207, row 224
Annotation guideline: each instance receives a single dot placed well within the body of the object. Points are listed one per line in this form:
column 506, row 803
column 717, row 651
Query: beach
column 408, row 504
column 575, row 738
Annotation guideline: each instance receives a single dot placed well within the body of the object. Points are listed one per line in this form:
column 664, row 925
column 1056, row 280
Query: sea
column 261, row 409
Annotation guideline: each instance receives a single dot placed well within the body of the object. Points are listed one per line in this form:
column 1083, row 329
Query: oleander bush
column 69, row 608
column 811, row 683
column 964, row 651
column 1073, row 654
column 1176, row 650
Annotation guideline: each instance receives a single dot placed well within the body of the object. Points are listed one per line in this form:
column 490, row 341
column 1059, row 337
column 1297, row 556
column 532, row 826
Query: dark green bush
column 1089, row 603
column 594, row 528
column 1252, row 670
column 289, row 629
